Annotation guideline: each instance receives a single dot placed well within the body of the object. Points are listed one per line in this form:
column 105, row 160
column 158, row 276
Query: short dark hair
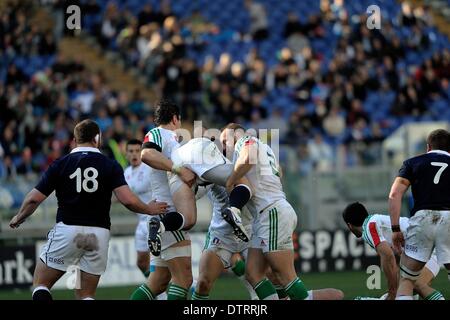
column 165, row 110
column 134, row 142
column 355, row 214
column 233, row 126
column 85, row 131
column 439, row 140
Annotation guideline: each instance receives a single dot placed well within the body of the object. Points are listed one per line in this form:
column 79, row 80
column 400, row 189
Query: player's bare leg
column 143, row 261
column 210, row 268
column 88, row 286
column 282, row 265
column 181, row 270
column 156, row 284
column 43, row 280
column 422, row 284
column 410, row 271
column 238, row 268
column 255, row 273
column 184, row 201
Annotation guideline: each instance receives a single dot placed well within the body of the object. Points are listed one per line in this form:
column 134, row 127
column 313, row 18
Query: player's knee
column 253, row 277
column 189, row 222
column 142, row 263
column 41, row 293
column 203, row 285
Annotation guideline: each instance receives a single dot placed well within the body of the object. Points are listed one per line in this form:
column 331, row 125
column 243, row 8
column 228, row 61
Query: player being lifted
column 271, row 243
column 375, row 230
column 84, row 181
column 429, row 225
column 185, row 215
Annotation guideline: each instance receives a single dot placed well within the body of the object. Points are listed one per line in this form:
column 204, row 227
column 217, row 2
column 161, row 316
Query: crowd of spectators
column 328, row 97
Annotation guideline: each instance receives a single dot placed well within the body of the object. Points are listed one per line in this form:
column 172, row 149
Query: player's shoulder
column 127, row 170
column 429, row 156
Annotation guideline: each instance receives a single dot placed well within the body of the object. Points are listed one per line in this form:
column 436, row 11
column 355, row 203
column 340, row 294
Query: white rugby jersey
column 264, row 176
column 377, row 228
column 219, row 198
column 139, row 181
column 167, row 140
column 199, row 155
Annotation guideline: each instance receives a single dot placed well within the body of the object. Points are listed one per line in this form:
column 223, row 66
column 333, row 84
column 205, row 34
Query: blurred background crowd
column 311, row 69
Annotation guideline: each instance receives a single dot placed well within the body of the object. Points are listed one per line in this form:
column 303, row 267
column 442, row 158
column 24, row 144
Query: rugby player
column 84, row 181
column 169, row 244
column 271, row 242
column 375, row 230
column 429, row 177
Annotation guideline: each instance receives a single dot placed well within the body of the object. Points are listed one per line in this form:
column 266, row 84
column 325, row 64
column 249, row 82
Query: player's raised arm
column 151, row 155
column 246, row 160
column 32, row 200
column 133, row 203
column 389, row 266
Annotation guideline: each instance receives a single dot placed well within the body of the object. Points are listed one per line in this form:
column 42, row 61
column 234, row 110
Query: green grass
column 352, row 283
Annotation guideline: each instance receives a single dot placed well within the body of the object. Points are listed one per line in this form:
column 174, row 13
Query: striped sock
column 265, row 290
column 281, row 292
column 143, row 292
column 176, row 292
column 296, row 290
column 435, row 295
column 198, row 296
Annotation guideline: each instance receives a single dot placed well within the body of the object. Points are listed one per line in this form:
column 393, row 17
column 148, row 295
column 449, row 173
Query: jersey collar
column 85, row 149
column 440, row 151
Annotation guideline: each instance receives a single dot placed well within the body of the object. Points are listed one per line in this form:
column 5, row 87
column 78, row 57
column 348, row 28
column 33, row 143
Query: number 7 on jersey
column 443, row 166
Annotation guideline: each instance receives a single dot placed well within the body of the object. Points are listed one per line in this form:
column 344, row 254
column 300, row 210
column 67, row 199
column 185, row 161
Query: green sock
column 281, row 292
column 176, row 292
column 198, row 296
column 435, row 295
column 142, row 293
column 239, row 268
column 265, row 290
column 296, row 290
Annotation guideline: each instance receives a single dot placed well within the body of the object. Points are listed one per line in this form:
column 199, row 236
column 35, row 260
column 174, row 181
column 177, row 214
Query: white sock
column 249, row 287
column 40, row 288
column 162, row 296
column 404, row 298
column 88, row 298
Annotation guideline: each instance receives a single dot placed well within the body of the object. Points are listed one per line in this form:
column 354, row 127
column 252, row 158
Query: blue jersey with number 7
column 429, row 175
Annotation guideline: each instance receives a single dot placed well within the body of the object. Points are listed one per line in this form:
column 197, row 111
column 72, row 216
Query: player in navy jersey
column 84, row 182
column 429, row 178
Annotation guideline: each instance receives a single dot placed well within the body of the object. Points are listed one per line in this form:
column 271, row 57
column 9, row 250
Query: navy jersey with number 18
column 429, row 175
column 84, row 181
